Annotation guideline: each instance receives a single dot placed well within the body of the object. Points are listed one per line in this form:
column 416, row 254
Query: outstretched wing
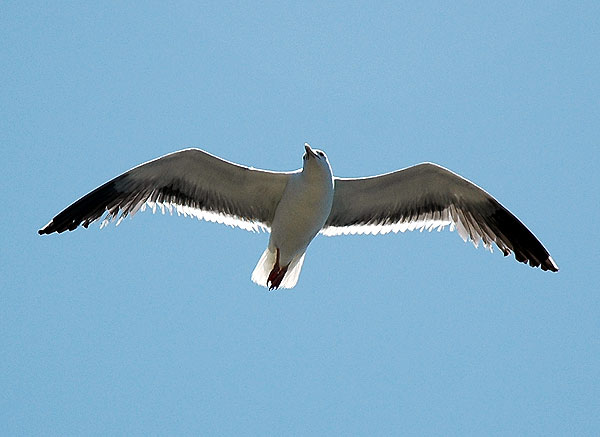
column 427, row 196
column 190, row 181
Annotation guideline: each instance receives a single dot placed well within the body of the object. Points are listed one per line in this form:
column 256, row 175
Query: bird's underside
column 193, row 182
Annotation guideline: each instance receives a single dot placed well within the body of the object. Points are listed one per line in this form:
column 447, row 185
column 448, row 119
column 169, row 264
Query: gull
column 295, row 206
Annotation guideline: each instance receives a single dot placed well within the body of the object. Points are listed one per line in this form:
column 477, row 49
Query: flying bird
column 295, row 206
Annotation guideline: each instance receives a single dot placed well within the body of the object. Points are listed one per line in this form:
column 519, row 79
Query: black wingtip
column 48, row 229
column 550, row 265
column 84, row 211
column 520, row 240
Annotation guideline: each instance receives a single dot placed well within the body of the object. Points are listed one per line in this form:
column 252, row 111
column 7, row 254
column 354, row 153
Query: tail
column 265, row 264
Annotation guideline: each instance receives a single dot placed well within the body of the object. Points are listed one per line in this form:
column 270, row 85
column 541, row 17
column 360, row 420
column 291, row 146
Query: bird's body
column 300, row 215
column 296, row 206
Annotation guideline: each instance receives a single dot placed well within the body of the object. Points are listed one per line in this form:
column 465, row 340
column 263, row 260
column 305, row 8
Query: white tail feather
column 291, row 276
column 265, row 265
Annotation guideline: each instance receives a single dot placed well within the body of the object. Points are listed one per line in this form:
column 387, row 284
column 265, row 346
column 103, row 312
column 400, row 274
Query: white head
column 314, row 158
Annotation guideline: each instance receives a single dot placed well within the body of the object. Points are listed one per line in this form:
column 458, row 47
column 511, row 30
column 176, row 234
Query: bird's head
column 314, row 157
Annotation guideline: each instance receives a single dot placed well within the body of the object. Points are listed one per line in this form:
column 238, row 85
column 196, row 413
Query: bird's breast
column 301, row 213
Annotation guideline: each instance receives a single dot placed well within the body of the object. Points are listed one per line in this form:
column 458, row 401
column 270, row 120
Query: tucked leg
column 277, row 274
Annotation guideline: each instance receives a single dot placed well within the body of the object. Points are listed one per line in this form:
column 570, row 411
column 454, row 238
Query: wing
column 190, row 181
column 427, row 196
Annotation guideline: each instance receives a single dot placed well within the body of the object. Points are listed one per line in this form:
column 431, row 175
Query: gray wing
column 190, row 181
column 427, row 196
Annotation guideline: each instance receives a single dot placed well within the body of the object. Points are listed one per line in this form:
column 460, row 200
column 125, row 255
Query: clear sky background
column 154, row 327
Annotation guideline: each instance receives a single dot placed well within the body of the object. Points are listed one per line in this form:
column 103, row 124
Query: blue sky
column 154, row 327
